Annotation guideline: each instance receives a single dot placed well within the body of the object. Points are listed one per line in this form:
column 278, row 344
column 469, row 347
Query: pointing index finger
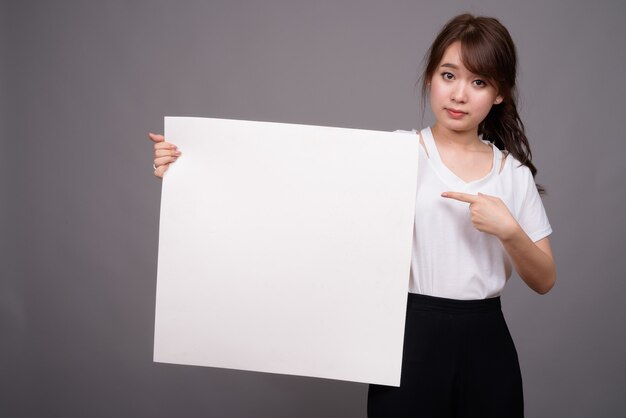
column 463, row 197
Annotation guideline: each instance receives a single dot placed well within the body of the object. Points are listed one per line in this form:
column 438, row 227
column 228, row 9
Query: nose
column 459, row 92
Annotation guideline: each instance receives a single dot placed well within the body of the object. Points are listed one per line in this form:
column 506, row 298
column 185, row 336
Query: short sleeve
column 532, row 215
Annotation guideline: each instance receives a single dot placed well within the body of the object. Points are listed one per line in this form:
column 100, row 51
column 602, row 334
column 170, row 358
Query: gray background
column 81, row 83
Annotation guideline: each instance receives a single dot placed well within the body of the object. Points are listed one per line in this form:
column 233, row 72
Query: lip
column 455, row 113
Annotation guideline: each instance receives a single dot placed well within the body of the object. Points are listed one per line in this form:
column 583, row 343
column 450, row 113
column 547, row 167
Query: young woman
column 478, row 215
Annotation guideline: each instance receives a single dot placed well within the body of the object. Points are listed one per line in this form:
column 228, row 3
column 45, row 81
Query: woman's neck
column 462, row 140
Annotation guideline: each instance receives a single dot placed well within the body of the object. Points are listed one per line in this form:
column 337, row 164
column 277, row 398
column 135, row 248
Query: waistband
column 432, row 303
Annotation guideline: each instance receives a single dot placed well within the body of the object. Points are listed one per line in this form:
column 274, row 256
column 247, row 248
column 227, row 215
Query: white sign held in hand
column 286, row 249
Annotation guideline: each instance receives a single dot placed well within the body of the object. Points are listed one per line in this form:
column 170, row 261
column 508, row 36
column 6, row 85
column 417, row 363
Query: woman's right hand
column 165, row 153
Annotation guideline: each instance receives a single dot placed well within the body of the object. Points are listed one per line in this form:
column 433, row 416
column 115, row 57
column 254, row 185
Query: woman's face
column 459, row 99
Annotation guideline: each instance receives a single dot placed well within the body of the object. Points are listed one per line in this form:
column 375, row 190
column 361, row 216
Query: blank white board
column 286, row 249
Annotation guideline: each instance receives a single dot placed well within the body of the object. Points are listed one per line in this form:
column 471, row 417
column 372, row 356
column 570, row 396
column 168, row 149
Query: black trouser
column 459, row 361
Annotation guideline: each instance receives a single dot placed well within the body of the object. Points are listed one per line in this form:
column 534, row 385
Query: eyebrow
column 448, row 65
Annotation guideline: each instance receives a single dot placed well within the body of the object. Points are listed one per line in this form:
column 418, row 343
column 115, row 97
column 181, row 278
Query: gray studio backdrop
column 81, row 84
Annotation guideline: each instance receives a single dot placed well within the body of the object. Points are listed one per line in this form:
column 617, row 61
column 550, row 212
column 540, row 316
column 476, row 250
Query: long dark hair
column 487, row 50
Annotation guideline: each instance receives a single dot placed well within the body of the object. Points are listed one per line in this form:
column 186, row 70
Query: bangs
column 480, row 57
column 488, row 54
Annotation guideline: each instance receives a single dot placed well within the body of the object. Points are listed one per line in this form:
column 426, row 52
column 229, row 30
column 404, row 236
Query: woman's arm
column 165, row 153
column 533, row 261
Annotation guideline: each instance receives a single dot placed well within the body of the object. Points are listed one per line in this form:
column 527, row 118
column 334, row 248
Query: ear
column 498, row 100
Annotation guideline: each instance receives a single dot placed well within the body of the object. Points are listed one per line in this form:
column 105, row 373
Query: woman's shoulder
column 514, row 165
column 517, row 173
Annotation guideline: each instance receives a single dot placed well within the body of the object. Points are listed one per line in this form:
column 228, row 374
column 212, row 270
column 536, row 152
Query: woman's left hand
column 488, row 213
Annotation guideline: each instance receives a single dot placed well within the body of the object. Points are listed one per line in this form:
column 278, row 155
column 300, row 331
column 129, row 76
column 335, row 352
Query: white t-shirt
column 451, row 258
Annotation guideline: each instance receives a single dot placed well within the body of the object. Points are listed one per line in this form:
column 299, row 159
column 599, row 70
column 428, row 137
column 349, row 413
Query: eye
column 480, row 83
column 447, row 75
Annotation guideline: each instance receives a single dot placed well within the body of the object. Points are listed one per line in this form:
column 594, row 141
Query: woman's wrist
column 511, row 232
